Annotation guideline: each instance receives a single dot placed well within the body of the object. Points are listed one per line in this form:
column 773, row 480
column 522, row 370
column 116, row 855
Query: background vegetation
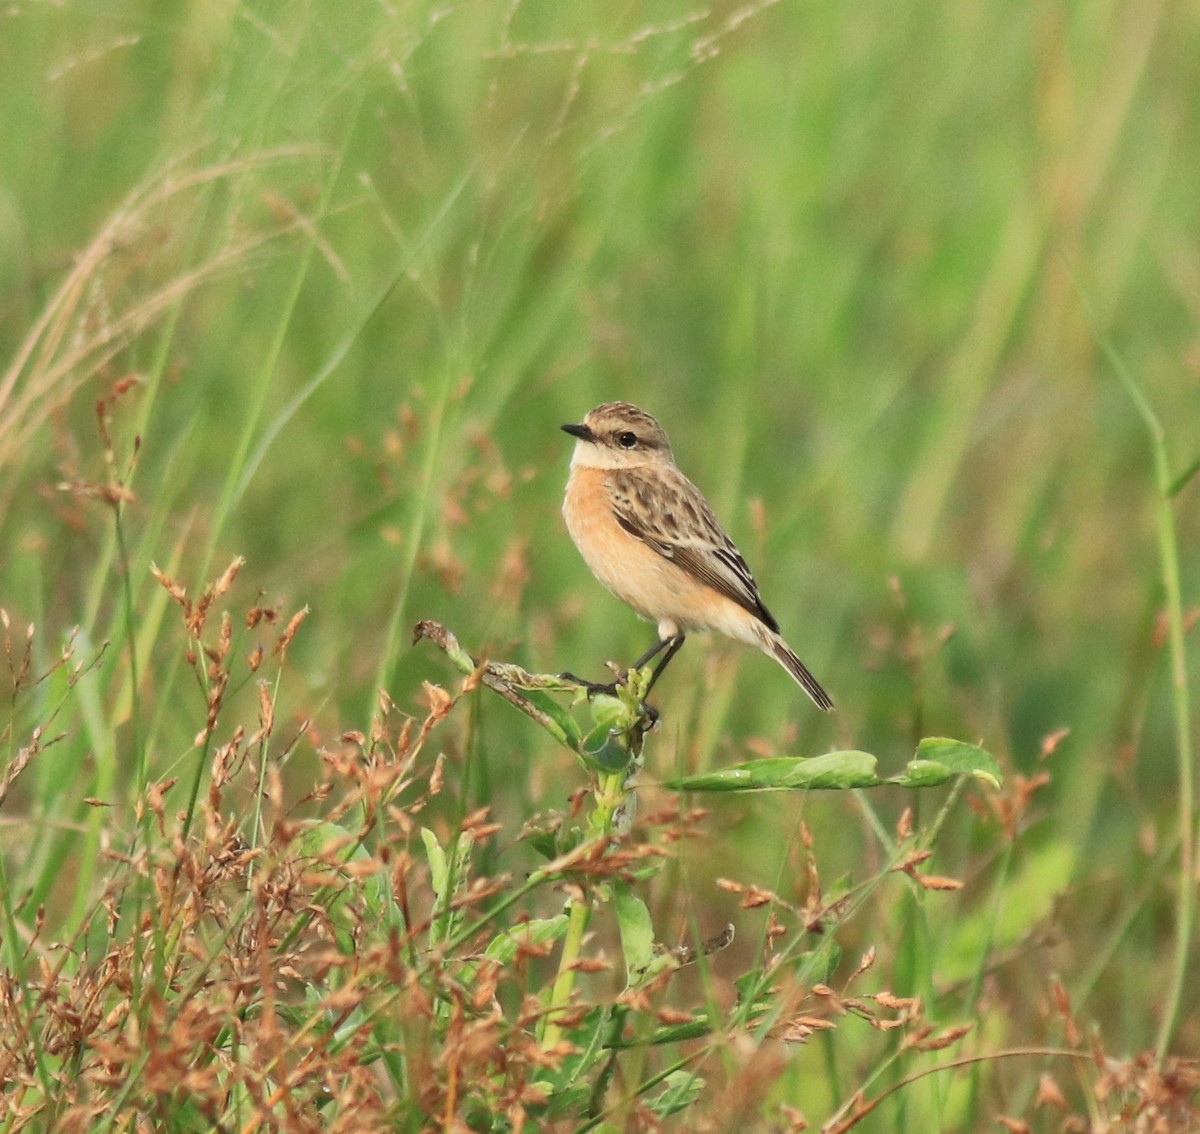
column 315, row 285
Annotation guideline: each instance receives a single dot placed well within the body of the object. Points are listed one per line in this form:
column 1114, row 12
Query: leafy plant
column 249, row 963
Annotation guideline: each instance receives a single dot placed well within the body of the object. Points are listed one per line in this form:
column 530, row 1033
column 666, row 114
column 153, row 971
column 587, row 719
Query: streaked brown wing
column 667, row 513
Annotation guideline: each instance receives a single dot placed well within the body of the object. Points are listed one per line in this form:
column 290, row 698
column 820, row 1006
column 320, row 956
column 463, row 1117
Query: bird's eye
column 627, row 440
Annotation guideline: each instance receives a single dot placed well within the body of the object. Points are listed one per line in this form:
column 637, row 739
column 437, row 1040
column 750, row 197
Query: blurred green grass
column 840, row 253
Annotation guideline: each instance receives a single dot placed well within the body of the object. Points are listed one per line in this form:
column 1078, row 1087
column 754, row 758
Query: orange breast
column 656, row 587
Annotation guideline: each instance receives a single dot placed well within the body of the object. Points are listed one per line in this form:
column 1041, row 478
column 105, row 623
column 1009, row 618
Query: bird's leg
column 673, row 645
column 652, row 653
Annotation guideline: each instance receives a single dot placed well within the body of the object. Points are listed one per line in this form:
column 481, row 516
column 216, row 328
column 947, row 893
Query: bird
column 649, row 536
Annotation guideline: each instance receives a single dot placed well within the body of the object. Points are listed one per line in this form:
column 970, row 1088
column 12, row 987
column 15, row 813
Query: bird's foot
column 609, row 688
column 612, row 689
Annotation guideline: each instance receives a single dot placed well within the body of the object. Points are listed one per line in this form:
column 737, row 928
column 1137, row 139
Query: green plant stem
column 610, row 795
column 1168, row 550
column 564, row 982
column 609, row 800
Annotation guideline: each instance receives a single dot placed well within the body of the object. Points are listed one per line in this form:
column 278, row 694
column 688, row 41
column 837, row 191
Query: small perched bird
column 650, row 537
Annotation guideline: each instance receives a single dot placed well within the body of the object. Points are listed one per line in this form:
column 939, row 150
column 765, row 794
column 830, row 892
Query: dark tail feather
column 783, row 654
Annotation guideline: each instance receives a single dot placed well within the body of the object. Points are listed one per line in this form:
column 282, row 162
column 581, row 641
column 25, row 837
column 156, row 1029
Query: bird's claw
column 649, row 713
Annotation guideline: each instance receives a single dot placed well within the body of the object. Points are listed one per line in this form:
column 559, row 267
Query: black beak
column 580, row 431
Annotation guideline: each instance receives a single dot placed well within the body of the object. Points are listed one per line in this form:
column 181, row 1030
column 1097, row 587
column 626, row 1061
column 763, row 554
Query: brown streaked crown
column 612, row 423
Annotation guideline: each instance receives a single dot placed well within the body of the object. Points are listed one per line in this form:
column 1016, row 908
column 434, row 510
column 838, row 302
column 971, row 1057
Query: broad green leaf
column 922, row 773
column 603, row 748
column 318, row 839
column 447, row 874
column 563, row 727
column 958, row 758
column 504, row 946
column 437, row 862
column 937, row 760
column 833, row 770
column 572, row 1100
column 637, row 933
column 333, row 846
column 608, row 712
column 616, row 719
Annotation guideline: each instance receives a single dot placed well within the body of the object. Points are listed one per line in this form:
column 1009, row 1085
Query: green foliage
column 937, row 760
column 306, row 289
